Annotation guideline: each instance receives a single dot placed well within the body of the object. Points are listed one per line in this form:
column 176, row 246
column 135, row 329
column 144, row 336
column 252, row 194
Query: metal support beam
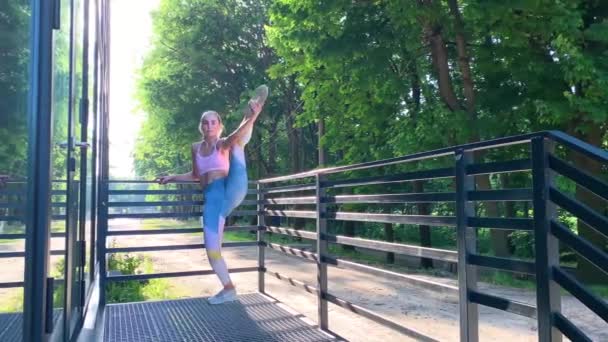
column 321, row 251
column 104, row 160
column 260, row 237
column 39, row 171
column 548, row 298
column 467, row 242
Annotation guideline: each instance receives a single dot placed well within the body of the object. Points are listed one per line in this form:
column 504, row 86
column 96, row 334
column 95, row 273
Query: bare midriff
column 210, row 176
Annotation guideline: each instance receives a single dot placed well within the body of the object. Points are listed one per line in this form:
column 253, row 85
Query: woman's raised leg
column 237, row 181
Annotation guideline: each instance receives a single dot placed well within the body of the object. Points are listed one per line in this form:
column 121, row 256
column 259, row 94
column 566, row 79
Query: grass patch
column 242, row 236
column 600, row 290
column 136, row 291
column 58, row 226
column 12, row 228
column 19, row 228
column 507, row 280
column 354, row 255
column 13, row 302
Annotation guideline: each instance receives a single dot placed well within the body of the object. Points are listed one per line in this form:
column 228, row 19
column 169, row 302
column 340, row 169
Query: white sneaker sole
column 214, row 301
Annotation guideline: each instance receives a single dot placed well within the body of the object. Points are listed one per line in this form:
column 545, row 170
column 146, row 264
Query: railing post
column 260, row 237
column 548, row 298
column 467, row 244
column 101, row 238
column 104, row 145
column 321, row 251
column 39, row 166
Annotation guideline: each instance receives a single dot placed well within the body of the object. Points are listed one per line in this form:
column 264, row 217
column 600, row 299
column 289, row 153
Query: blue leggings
column 221, row 197
column 213, row 226
column 236, row 182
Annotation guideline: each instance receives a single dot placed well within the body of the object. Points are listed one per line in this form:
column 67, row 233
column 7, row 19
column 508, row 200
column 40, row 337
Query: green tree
column 14, row 59
column 209, row 55
column 430, row 73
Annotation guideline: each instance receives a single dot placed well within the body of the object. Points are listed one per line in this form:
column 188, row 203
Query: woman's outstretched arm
column 183, row 177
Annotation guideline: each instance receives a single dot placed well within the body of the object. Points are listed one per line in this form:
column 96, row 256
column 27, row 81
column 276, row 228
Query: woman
column 224, row 182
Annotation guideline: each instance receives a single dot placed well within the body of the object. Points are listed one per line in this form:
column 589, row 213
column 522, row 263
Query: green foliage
column 360, row 63
column 132, row 291
column 59, row 293
column 379, row 74
column 14, row 60
column 12, row 301
column 208, row 55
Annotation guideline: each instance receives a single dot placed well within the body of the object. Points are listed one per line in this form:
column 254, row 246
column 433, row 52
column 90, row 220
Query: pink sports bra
column 213, row 162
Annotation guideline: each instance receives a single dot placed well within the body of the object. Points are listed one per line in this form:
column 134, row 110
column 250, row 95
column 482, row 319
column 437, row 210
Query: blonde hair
column 204, row 115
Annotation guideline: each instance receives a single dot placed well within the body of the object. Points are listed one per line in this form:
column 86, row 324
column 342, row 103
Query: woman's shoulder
column 196, row 146
column 222, row 144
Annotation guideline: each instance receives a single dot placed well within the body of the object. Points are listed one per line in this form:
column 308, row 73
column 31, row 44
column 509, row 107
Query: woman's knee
column 214, row 254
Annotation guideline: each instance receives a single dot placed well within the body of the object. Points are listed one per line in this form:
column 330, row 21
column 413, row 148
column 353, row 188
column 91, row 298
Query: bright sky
column 131, row 29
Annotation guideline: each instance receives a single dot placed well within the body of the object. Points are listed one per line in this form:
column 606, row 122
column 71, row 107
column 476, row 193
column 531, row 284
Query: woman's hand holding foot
column 163, row 179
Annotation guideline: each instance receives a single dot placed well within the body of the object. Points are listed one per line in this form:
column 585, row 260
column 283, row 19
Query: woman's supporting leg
column 213, row 225
column 213, row 245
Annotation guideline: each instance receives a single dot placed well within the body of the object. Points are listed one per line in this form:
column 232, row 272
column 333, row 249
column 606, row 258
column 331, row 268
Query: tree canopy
column 385, row 78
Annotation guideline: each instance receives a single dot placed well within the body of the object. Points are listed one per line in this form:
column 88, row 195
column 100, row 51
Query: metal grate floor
column 254, row 317
column 11, row 325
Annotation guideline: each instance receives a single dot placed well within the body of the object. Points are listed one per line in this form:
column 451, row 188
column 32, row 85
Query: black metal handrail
column 557, row 136
column 547, row 230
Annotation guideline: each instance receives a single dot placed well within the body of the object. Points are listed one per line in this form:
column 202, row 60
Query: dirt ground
column 425, row 311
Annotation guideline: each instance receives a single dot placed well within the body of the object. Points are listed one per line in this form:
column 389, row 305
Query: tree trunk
column 293, row 137
column 349, row 230
column 439, row 58
column 322, row 157
column 463, row 61
column 272, row 149
column 498, row 237
column 510, row 211
column 293, row 133
column 425, row 231
column 389, row 236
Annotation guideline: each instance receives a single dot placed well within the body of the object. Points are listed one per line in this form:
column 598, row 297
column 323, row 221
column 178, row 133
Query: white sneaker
column 223, row 296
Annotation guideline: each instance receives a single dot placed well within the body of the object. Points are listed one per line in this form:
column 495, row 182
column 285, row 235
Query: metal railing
column 113, row 200
column 13, row 206
column 542, row 164
column 319, row 194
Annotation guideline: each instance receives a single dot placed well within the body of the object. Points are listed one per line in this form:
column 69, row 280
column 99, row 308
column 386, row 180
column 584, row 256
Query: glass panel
column 14, row 62
column 76, row 188
column 67, row 158
column 90, row 183
column 61, row 100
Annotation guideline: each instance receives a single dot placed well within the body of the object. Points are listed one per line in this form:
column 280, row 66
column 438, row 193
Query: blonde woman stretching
column 224, row 181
